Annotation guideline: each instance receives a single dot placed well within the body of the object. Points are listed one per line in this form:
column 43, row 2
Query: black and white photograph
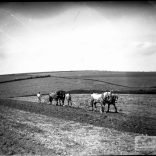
column 78, row 78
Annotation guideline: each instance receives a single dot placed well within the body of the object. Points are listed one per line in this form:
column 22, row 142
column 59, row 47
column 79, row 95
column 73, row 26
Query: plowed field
column 28, row 127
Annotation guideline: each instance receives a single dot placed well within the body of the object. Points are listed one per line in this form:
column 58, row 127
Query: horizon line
column 77, row 71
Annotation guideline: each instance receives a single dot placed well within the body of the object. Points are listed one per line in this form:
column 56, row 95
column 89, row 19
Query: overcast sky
column 58, row 36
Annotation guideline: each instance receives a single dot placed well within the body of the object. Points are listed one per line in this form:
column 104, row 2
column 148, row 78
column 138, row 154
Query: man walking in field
column 39, row 97
column 69, row 100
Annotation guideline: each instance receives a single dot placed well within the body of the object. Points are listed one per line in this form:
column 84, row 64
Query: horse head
column 114, row 97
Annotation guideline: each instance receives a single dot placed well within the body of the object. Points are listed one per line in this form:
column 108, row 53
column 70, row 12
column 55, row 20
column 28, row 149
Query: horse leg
column 57, row 100
column 59, row 103
column 102, row 108
column 62, row 102
column 95, row 106
column 51, row 101
column 92, row 103
column 108, row 107
column 115, row 108
column 70, row 102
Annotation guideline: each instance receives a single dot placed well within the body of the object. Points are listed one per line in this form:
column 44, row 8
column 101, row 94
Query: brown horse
column 110, row 101
column 58, row 96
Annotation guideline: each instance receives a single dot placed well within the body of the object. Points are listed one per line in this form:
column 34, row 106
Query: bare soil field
column 31, row 133
column 28, row 132
column 28, row 127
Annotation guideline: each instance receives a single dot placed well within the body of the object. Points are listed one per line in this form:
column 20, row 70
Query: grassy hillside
column 77, row 82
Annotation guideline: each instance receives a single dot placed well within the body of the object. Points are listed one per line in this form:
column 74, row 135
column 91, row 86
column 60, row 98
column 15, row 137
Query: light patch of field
column 69, row 137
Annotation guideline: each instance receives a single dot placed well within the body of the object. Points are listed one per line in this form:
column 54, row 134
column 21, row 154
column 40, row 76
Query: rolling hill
column 26, row 84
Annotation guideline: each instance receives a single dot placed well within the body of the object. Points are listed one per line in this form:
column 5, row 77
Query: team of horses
column 104, row 98
column 60, row 97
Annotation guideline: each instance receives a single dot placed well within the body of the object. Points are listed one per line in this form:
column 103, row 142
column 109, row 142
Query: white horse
column 99, row 98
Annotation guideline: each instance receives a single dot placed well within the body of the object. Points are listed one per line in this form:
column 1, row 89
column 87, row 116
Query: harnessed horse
column 58, row 96
column 103, row 99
